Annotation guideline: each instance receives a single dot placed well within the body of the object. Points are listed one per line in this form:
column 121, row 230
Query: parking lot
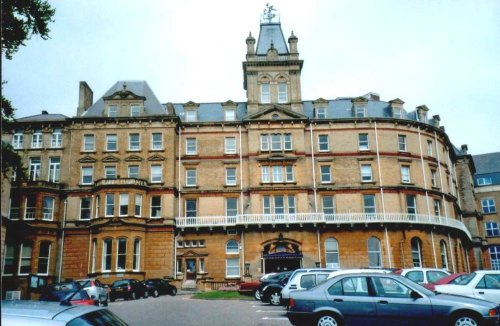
column 182, row 310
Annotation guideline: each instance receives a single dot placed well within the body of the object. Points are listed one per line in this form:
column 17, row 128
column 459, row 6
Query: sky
column 441, row 53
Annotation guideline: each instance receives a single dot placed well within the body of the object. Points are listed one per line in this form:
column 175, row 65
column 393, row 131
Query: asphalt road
column 181, row 310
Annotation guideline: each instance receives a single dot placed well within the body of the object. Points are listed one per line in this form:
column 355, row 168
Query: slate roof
column 151, row 105
column 271, row 33
column 487, row 163
column 43, row 117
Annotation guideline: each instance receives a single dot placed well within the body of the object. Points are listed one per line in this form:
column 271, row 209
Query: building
column 487, row 191
column 220, row 192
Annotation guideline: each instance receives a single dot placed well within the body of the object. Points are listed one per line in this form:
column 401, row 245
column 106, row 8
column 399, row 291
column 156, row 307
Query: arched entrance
column 280, row 255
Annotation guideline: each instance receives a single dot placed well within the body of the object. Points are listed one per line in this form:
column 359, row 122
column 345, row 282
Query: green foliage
column 21, row 19
column 11, row 161
column 221, row 295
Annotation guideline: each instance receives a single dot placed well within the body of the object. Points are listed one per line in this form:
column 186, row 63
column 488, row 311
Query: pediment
column 87, row 159
column 124, row 94
column 229, row 103
column 156, row 157
column 110, row 159
column 276, row 112
column 133, row 158
column 191, row 253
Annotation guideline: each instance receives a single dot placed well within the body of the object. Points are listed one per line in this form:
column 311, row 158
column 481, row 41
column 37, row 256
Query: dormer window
column 135, row 110
column 321, row 113
column 360, row 111
column 191, row 116
column 282, row 92
column 265, row 93
column 112, row 111
column 229, row 115
column 397, row 113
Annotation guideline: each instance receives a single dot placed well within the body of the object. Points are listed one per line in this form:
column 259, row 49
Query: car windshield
column 99, row 317
column 466, row 280
column 120, row 283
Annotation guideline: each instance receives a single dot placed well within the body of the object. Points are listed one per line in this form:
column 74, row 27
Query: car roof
column 44, row 309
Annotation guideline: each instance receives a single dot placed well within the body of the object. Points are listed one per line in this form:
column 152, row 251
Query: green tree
column 21, row 19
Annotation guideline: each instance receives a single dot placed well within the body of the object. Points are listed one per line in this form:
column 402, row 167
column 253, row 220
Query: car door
column 488, row 288
column 351, row 297
column 395, row 306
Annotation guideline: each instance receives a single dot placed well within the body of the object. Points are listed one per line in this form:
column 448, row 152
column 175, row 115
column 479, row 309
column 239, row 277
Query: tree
column 21, row 19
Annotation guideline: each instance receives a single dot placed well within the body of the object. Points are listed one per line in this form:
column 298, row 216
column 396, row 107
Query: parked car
column 272, row 279
column 302, row 280
column 482, row 284
column 250, row 288
column 97, row 290
column 127, row 288
column 423, row 276
column 385, row 299
column 66, row 291
column 26, row 312
column 271, row 291
column 157, row 286
column 450, row 279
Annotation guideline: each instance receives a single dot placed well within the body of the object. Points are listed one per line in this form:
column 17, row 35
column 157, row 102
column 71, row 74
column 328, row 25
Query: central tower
column 271, row 72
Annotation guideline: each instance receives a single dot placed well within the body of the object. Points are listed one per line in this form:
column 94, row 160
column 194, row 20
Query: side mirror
column 415, row 295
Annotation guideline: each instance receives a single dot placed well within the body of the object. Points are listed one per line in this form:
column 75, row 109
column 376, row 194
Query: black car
column 270, row 290
column 70, row 291
column 157, row 286
column 128, row 288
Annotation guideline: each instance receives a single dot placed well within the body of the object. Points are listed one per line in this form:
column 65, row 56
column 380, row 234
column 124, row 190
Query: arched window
column 265, row 90
column 374, row 252
column 332, row 253
column 106, row 255
column 121, row 254
column 232, row 247
column 444, row 255
column 282, row 90
column 137, row 255
column 416, row 252
column 44, row 258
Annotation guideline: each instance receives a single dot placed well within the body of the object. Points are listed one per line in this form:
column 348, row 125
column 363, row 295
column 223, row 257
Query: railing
column 301, row 218
column 121, row 182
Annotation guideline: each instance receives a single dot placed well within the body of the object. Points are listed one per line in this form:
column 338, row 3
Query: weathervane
column 268, row 12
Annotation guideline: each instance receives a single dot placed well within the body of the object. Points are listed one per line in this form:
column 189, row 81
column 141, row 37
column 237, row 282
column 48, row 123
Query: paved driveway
column 181, row 310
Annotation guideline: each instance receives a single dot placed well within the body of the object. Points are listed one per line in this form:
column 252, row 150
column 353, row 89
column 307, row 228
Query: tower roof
column 271, row 34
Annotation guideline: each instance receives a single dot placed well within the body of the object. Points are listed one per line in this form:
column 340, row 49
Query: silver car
column 44, row 313
column 95, row 289
column 385, row 299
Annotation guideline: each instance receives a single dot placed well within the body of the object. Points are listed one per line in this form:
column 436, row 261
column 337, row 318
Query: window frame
column 136, row 259
column 133, row 174
column 325, row 174
column 402, row 143
column 134, row 144
column 156, row 172
column 488, row 205
column 25, row 258
column 42, row 259
column 231, row 177
column 88, row 143
column 492, row 229
column 121, row 255
column 230, row 145
column 138, row 205
column 35, row 168
column 191, row 177
column 18, row 140
column 282, row 92
column 123, row 204
column 156, row 144
column 323, row 143
column 363, row 142
column 191, row 146
column 405, row 174
column 37, row 139
column 56, row 138
column 366, row 173
column 54, row 169
column 332, row 251
column 374, row 252
column 109, row 205
column 156, row 208
column 85, row 209
column 85, row 174
column 48, row 212
column 416, row 251
column 110, row 172
column 265, row 93
column 107, row 254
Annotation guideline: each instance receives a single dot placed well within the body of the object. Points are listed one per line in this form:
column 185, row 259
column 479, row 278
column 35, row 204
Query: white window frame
column 107, row 252
column 484, row 181
column 191, row 177
column 321, row 113
column 123, row 202
column 135, row 110
column 44, row 258
column 488, row 205
column 323, row 143
column 25, row 258
column 134, row 144
column 265, row 174
column 230, row 145
column 367, row 207
column 18, row 140
column 94, row 255
column 364, row 144
column 156, row 144
column 282, row 93
column 360, row 111
column 374, row 251
column 109, row 210
column 54, row 169
column 29, row 207
column 276, row 142
column 110, row 172
column 48, row 211
column 232, row 264
column 88, row 143
column 289, row 174
column 232, row 247
column 444, row 254
column 366, row 173
column 37, row 139
column 402, row 143
column 434, row 179
column 405, row 174
column 416, row 251
column 111, row 139
column 437, row 207
column 191, row 115
column 56, row 138
column 138, row 205
column 136, row 260
column 287, row 142
column 35, row 168
column 491, row 228
column 133, row 174
column 325, row 173
column 89, row 208
column 230, row 211
column 85, row 174
column 265, row 93
column 155, row 208
column 429, row 148
column 229, row 114
column 121, row 243
column 191, row 146
column 156, row 173
column 332, row 258
column 112, row 111
column 264, row 142
column 277, row 171
column 230, row 176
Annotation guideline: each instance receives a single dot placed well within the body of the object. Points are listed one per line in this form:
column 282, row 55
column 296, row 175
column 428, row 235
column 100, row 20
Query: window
column 405, row 174
column 233, row 267
column 156, row 141
column 133, row 171
column 492, row 229
column 229, row 114
column 18, row 140
column 230, row 145
column 323, row 143
column 190, row 177
column 232, row 247
column 37, row 139
column 276, row 142
column 25, row 259
column 56, row 138
column 110, row 172
column 35, row 167
column 156, row 206
column 484, row 181
column 416, row 252
column 88, row 143
column 231, row 176
column 402, row 143
column 366, row 173
column 48, row 208
column 202, row 264
column 287, row 142
column 44, row 258
column 411, row 204
column 282, row 93
column 437, row 207
column 112, row 111
column 265, row 93
column 110, row 204
column 495, row 257
column 123, row 205
column 291, row 204
column 265, row 175
column 374, row 253
column 433, row 179
column 328, row 206
column 9, row 260
column 266, row 204
column 350, row 286
column 121, row 254
column 369, row 204
column 488, row 205
column 85, row 208
column 138, row 205
column 54, row 169
column 289, row 173
column 191, row 115
column 178, row 266
column 135, row 110
column 156, row 173
column 106, row 255
column 231, row 207
column 429, row 148
column 191, row 210
column 14, row 204
column 191, row 146
column 363, row 142
column 96, row 212
column 278, row 205
column 444, row 255
column 29, row 212
column 87, row 175
column 134, row 142
column 332, row 253
column 277, row 173
column 321, row 113
column 360, row 111
column 397, row 113
column 264, row 142
column 136, row 262
column 326, row 175
column 111, row 142
column 94, row 255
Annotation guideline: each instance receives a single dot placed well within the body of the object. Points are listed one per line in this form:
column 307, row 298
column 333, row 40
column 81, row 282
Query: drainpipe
column 179, row 187
column 241, row 171
column 62, row 240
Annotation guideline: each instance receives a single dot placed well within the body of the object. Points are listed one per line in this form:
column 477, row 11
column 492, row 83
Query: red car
column 450, row 279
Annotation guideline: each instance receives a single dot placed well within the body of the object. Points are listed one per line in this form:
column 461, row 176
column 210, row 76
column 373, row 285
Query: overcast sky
column 441, row 53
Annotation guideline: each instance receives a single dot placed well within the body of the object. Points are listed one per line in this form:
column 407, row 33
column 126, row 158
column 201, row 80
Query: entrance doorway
column 190, row 269
column 276, row 265
column 281, row 255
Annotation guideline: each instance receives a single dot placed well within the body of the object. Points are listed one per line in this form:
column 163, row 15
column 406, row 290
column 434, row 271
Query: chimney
column 465, row 148
column 85, row 99
column 45, row 112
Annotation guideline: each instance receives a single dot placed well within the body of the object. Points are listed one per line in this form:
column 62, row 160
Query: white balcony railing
column 301, row 218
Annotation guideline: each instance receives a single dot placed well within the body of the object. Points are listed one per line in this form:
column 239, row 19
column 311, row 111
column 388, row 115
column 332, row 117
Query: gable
column 87, row 159
column 276, row 112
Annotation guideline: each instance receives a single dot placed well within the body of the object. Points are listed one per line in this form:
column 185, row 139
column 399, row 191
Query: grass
column 221, row 295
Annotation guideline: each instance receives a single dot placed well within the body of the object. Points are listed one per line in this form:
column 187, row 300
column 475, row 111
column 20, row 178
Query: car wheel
column 328, row 320
column 133, row 296
column 146, row 295
column 275, row 298
column 105, row 302
column 156, row 294
column 257, row 295
column 173, row 292
column 465, row 320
